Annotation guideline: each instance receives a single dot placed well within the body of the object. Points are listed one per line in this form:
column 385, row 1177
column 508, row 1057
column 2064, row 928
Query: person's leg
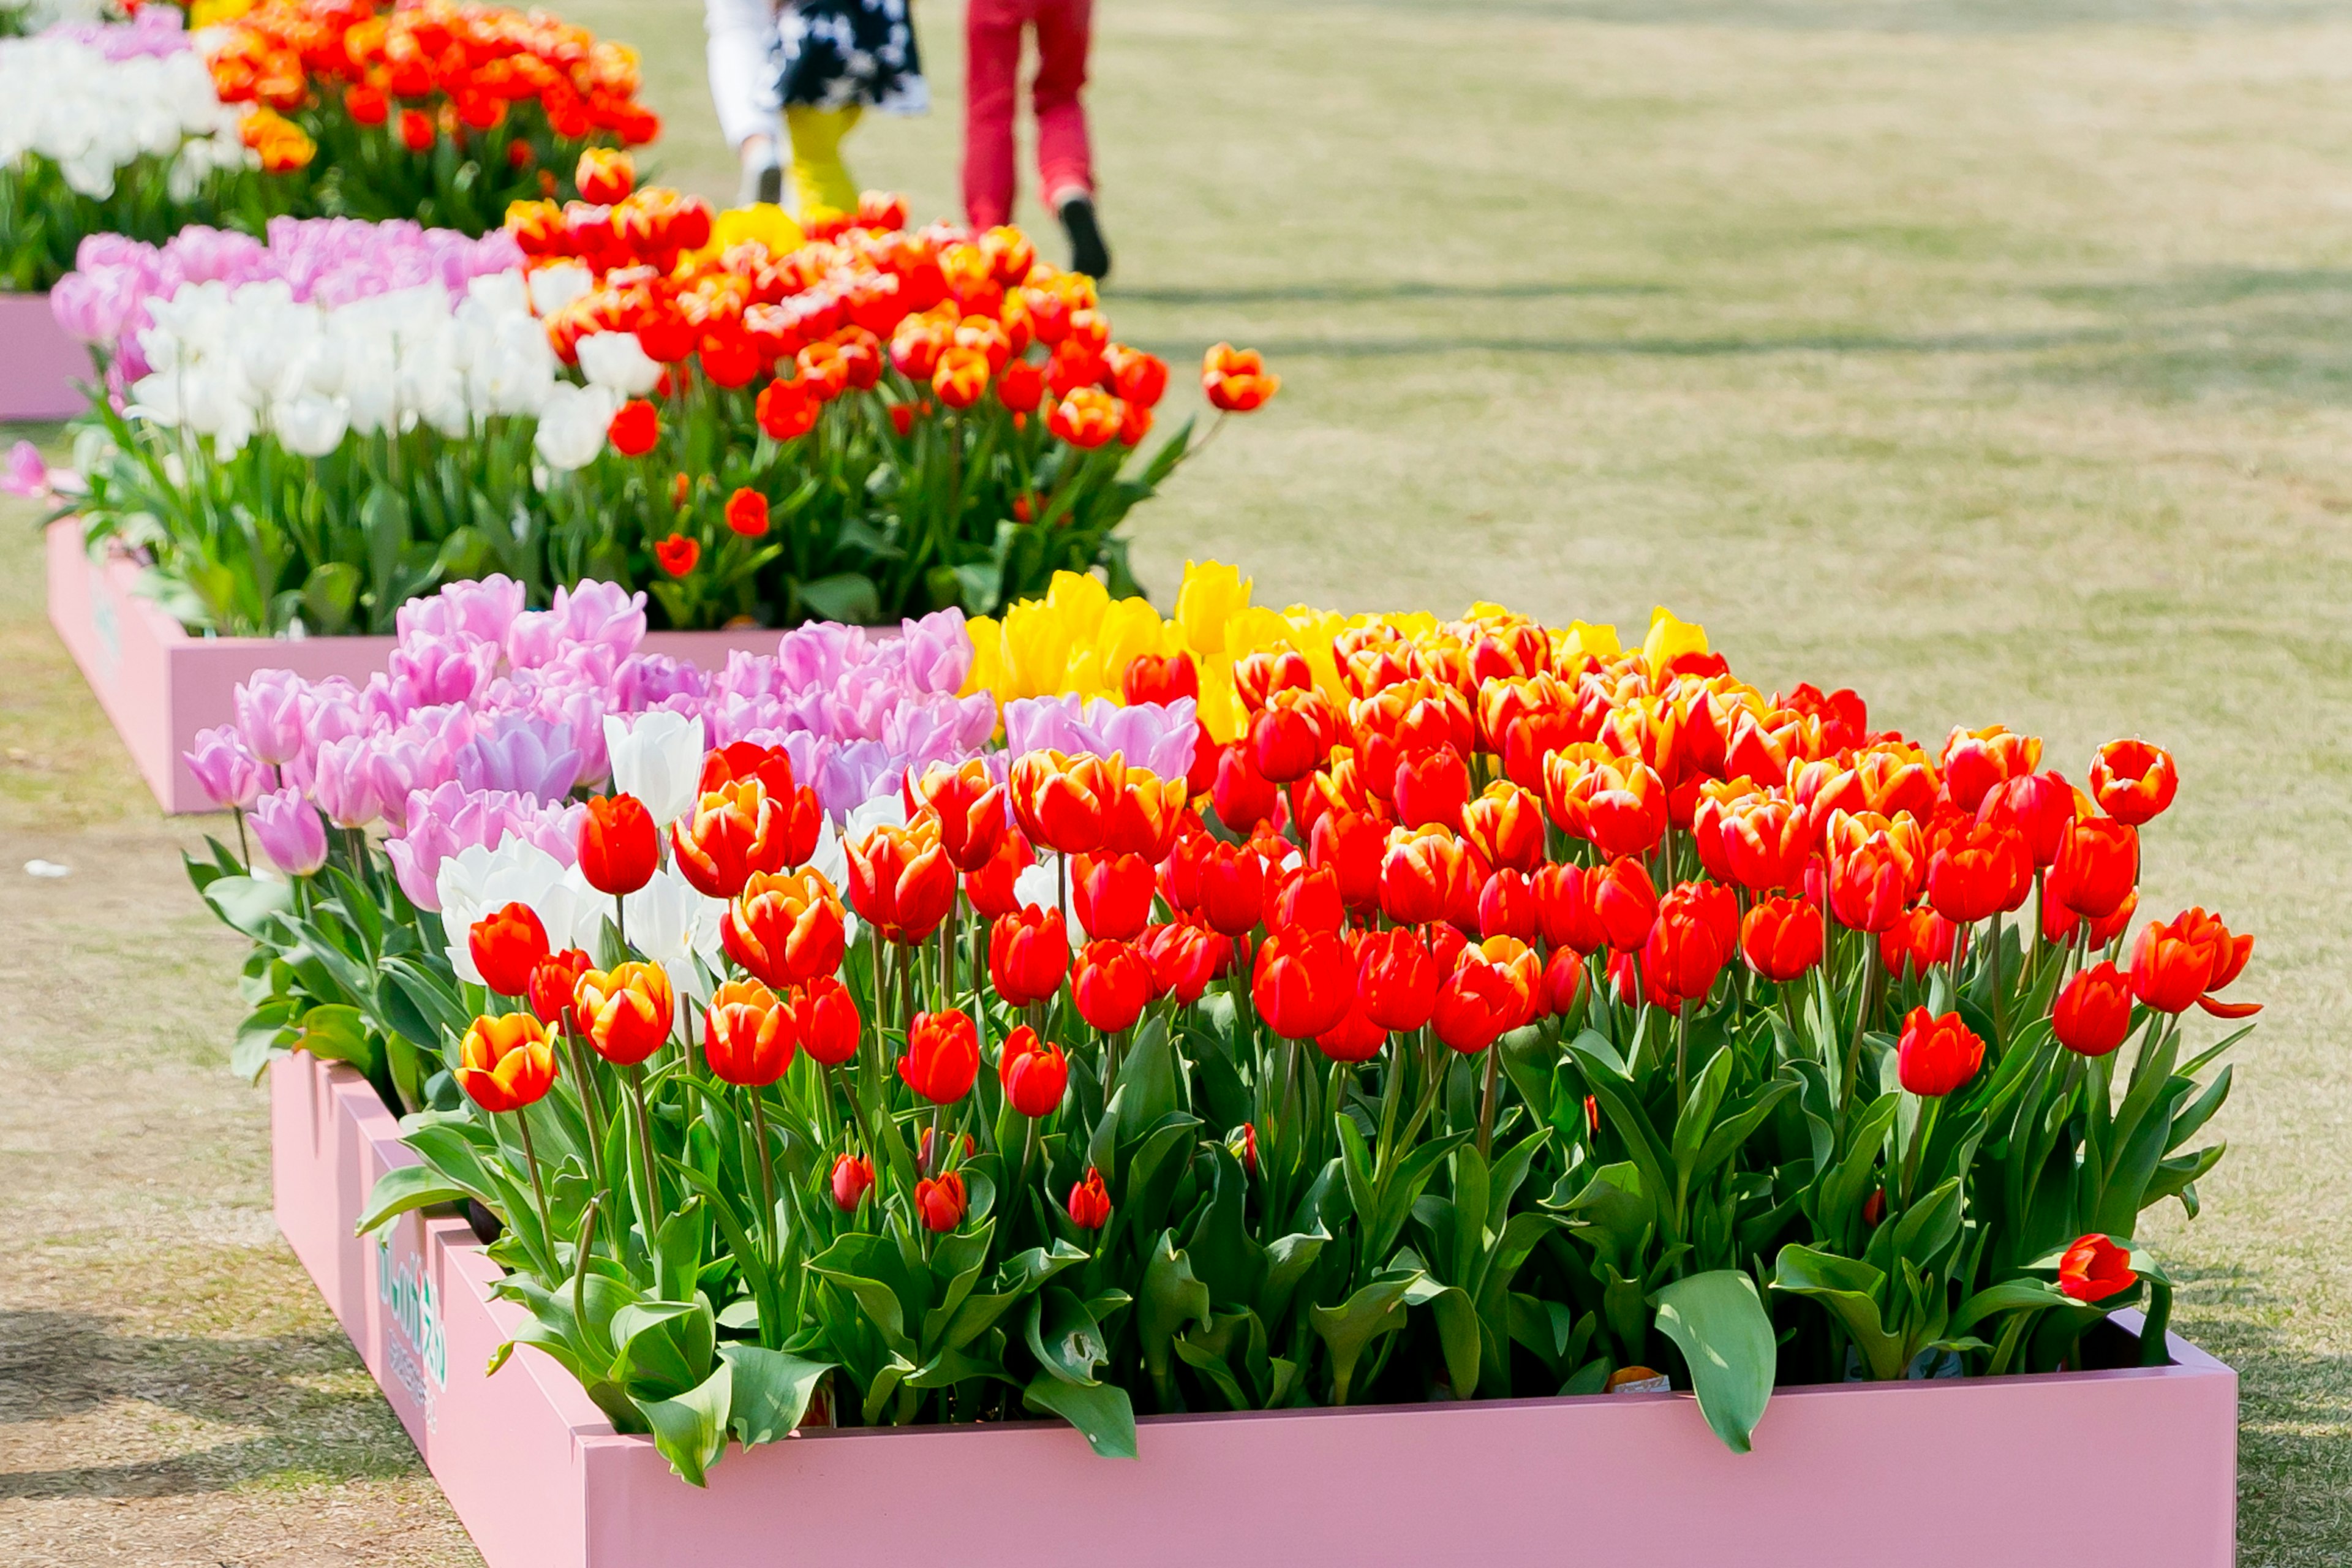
column 737, row 51
column 991, row 34
column 1066, row 165
column 1065, row 168
column 819, row 178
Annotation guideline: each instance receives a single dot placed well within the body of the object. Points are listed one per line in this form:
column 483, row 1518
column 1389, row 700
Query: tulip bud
column 1089, row 1204
column 619, row 849
column 1033, row 1074
column 506, row 946
column 853, row 1178
column 940, row 1202
column 825, row 1020
column 942, row 1057
column 552, row 979
column 2095, row 1268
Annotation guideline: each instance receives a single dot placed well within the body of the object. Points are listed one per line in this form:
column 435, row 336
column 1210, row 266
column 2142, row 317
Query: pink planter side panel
column 122, row 643
column 2134, row 1467
column 42, row 365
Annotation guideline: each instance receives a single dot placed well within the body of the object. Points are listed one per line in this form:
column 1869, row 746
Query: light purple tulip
column 289, row 832
column 599, row 615
column 482, row 612
column 521, row 753
column 342, row 786
column 443, row 821
column 1147, row 734
column 435, row 668
column 938, row 651
column 273, row 713
column 813, row 657
column 228, row 773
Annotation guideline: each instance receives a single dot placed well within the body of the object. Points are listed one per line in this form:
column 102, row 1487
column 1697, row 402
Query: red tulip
column 942, row 1056
column 2095, row 1268
column 1917, row 941
column 2097, row 867
column 1624, row 901
column 1490, row 991
column 1111, row 895
column 1766, row 843
column 552, row 979
column 619, row 848
column 1089, row 1204
column 1303, row 983
column 2133, row 780
column 1033, row 1074
column 969, row 807
column 825, row 1020
column 1564, row 911
column 941, row 1201
column 1397, row 979
column 1355, row 1038
column 1231, row 883
column 1299, row 896
column 635, row 429
column 1159, row 681
column 1976, row 870
column 1183, row 958
column 1693, row 937
column 1975, row 761
column 2038, row 808
column 1425, row 874
column 2172, row 964
column 1110, row 985
column 1432, row 787
column 747, row 1034
column 1028, row 955
column 1936, row 1056
column 729, row 834
column 989, row 889
column 507, row 945
column 505, row 1062
column 1351, row 845
column 1782, row 938
column 1507, row 906
column 1563, row 981
column 1290, row 736
column 2093, row 1012
column 853, row 1178
column 1870, row 883
column 1242, row 796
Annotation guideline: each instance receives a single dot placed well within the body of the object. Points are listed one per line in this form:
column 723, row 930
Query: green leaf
column 249, row 903
column 1101, row 1411
column 1720, row 1323
column 664, row 1347
column 1849, row 1288
column 849, row 597
column 771, row 1392
column 1064, row 1336
column 328, row 596
column 1350, row 1328
column 1457, row 1331
column 1172, row 1299
column 337, row 1033
column 690, row 1429
column 404, row 1188
column 2010, row 1296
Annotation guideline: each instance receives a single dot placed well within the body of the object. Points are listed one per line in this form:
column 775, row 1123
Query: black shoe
column 1087, row 253
column 771, row 184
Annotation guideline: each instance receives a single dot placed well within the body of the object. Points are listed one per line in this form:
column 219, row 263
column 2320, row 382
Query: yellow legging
column 819, row 179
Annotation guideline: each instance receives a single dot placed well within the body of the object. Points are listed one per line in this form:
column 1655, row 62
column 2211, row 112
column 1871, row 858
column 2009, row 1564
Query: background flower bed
column 753, row 424
column 1924, row 427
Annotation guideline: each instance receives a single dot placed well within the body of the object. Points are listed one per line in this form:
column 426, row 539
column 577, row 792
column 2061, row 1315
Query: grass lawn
column 1991, row 359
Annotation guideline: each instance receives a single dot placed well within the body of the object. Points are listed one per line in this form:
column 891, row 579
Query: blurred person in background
column 741, row 49
column 838, row 58
column 992, row 33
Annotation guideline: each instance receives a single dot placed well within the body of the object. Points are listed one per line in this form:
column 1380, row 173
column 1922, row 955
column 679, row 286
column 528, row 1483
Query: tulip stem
column 593, row 1106
column 1682, row 1060
column 2000, row 997
column 244, row 848
column 1494, row 1078
column 538, row 1190
column 767, row 1179
column 621, row 923
column 649, row 1217
column 580, row 1251
column 1869, row 1000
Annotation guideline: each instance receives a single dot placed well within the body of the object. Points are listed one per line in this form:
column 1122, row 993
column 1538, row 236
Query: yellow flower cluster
column 1077, row 638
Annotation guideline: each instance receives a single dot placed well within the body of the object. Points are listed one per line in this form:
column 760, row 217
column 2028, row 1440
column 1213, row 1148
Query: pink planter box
column 160, row 685
column 2104, row 1468
column 42, row 365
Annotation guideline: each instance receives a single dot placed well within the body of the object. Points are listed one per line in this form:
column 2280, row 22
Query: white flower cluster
column 229, row 361
column 93, row 116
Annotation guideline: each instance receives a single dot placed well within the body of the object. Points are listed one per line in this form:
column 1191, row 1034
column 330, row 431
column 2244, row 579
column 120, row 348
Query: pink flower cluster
column 156, row 30
column 329, row 261
column 489, row 718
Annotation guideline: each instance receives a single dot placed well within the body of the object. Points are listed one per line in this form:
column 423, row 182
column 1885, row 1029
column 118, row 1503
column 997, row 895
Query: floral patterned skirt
column 840, row 53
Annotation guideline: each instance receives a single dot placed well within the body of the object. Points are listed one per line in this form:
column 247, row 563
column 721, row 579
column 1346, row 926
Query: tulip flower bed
column 438, row 113
column 318, row 428
column 1494, row 1011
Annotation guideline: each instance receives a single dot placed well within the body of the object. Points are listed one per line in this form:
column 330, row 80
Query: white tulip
column 616, row 360
column 658, row 757
column 475, row 881
column 309, row 425
column 571, row 424
column 556, row 285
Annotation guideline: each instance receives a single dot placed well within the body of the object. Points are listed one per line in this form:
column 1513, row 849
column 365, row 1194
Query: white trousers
column 741, row 54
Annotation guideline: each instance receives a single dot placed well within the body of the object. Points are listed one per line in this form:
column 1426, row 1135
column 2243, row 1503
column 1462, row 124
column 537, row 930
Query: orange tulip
column 968, row 805
column 824, row 1020
column 784, row 928
column 1141, row 818
column 507, row 945
column 1490, row 991
column 2097, row 864
column 1427, row 875
column 1505, row 824
column 1619, row 806
column 1977, row 761
column 2092, row 1015
column 1235, row 380
column 505, row 1062
column 1782, row 938
column 1064, row 802
column 901, row 880
column 942, row 1056
column 626, row 1012
column 729, row 834
column 2133, row 780
column 1917, row 941
column 747, row 1034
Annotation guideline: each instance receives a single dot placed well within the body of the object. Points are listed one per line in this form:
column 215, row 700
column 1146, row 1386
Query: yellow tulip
column 1669, row 638
column 1079, row 601
column 1582, row 637
column 987, row 672
column 1212, row 595
column 1131, row 628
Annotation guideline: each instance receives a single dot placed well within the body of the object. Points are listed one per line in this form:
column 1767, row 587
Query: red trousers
column 993, row 31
